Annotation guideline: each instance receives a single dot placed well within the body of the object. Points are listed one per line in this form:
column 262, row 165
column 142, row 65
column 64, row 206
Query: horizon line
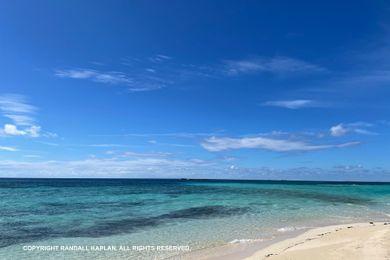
column 198, row 179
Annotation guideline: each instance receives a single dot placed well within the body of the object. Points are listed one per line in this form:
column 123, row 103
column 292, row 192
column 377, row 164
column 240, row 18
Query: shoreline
column 363, row 240
column 351, row 241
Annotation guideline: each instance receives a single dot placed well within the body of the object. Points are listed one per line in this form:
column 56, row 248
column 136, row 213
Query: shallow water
column 187, row 213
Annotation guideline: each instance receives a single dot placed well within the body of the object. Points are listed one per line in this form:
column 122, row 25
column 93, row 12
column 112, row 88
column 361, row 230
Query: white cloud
column 32, row 156
column 32, row 131
column 361, row 124
column 364, row 131
column 16, row 108
column 159, row 58
column 105, row 145
column 136, row 83
column 178, row 135
column 215, row 144
column 21, row 113
column 292, row 104
column 102, row 77
column 15, row 104
column 8, row 148
column 338, row 130
column 23, row 120
column 278, row 65
column 144, row 155
column 357, row 127
column 12, row 130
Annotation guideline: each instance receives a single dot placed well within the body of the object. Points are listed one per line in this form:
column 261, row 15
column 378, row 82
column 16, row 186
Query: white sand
column 369, row 241
column 353, row 241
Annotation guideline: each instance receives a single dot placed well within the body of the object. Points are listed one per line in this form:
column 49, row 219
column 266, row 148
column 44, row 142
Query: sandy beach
column 369, row 241
column 354, row 241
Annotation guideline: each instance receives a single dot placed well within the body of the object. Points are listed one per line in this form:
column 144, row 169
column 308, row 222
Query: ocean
column 160, row 218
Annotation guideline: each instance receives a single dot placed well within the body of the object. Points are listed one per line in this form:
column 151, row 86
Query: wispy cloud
column 364, row 132
column 101, row 77
column 338, row 130
column 133, row 83
column 22, row 120
column 160, row 71
column 8, row 149
column 104, row 145
column 14, row 103
column 215, row 144
column 148, row 73
column 131, row 154
column 277, row 65
column 159, row 58
column 293, row 104
column 21, row 113
column 345, row 128
column 173, row 134
column 16, row 108
column 32, row 156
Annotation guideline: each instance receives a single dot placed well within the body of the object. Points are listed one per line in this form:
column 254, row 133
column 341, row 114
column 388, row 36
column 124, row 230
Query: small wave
column 248, row 240
column 289, row 229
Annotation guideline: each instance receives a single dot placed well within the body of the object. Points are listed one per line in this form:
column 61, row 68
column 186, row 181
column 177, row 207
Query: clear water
column 197, row 214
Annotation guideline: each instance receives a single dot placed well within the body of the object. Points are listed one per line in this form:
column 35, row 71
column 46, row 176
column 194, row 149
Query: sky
column 195, row 89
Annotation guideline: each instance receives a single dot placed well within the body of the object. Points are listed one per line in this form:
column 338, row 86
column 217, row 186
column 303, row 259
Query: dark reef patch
column 204, row 212
column 25, row 232
column 113, row 227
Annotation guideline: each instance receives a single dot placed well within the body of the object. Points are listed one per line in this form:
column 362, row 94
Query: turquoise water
column 189, row 214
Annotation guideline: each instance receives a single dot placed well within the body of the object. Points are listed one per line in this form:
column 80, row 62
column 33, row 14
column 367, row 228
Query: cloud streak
column 134, row 84
column 8, row 149
column 13, row 103
column 358, row 128
column 276, row 65
column 292, row 104
column 94, row 75
column 21, row 113
column 160, row 71
column 216, row 144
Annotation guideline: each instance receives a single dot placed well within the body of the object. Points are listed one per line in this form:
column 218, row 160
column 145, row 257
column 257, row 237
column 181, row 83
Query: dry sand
column 369, row 241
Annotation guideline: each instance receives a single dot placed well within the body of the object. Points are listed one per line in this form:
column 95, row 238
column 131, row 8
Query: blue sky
column 207, row 89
